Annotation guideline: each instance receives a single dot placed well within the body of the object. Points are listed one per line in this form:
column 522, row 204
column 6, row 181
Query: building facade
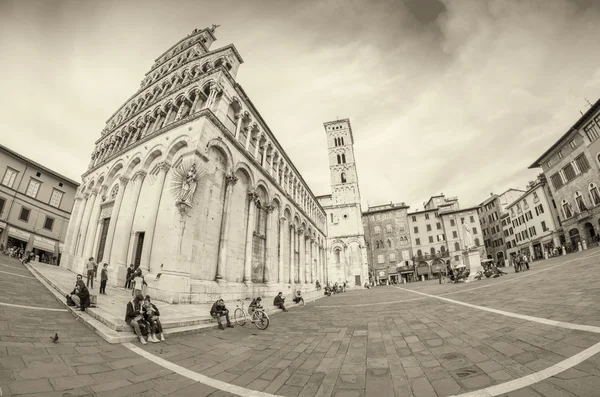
column 441, row 233
column 491, row 215
column 35, row 206
column 533, row 227
column 346, row 245
column 571, row 166
column 389, row 248
column 188, row 182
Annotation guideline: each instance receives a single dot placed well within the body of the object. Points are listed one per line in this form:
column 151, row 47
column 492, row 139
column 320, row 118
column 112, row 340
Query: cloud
column 453, row 96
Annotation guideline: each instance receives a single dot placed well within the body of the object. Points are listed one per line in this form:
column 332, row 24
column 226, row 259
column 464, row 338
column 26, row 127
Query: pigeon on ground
column 54, row 338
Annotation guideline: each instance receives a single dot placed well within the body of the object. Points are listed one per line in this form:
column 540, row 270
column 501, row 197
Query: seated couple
column 143, row 316
column 80, row 296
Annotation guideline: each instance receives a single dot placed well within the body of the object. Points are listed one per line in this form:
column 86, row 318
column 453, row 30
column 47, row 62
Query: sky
column 444, row 96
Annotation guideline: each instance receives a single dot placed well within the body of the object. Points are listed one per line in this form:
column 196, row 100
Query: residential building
column 188, row 181
column 346, row 245
column 388, row 242
column 440, row 233
column 533, row 227
column 571, row 165
column 35, row 206
column 491, row 213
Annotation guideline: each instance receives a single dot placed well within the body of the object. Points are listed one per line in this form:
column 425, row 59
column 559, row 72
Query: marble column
column 124, row 222
column 89, row 249
column 85, row 223
column 239, row 118
column 282, row 228
column 153, row 207
column 268, row 273
column 114, row 216
column 253, row 197
column 230, row 181
column 312, row 262
column 194, row 104
column 301, row 256
column 75, row 223
column 292, row 234
column 167, row 116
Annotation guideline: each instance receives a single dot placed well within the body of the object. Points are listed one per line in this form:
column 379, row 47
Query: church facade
column 346, row 246
column 188, row 182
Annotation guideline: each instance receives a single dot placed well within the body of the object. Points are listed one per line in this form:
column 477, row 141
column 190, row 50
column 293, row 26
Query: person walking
column 90, row 267
column 103, row 279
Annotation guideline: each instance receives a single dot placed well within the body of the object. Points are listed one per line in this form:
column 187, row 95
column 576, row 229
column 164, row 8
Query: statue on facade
column 188, row 187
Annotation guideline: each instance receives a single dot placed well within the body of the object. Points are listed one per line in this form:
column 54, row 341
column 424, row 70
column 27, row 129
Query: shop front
column 382, row 277
column 17, row 238
column 438, row 267
column 2, row 228
column 44, row 249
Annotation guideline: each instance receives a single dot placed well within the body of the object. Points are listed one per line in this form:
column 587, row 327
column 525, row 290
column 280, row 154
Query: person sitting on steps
column 80, row 294
column 218, row 310
column 151, row 315
column 134, row 317
column 279, row 302
column 298, row 298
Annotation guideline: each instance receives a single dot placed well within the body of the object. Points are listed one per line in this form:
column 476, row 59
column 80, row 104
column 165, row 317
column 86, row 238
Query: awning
column 43, row 244
column 18, row 234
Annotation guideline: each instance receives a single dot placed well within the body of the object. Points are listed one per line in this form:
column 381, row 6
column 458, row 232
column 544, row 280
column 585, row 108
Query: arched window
column 335, row 141
column 419, row 253
column 567, row 209
column 389, row 243
column 342, row 141
column 377, row 230
column 594, row 194
column 442, row 249
column 343, row 177
column 331, row 217
column 339, row 159
column 343, row 158
column 580, row 202
column 476, row 242
column 336, row 254
column 377, row 244
column 456, row 246
column 432, row 251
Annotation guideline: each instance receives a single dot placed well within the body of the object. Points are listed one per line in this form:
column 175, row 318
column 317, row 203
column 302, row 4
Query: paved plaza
column 535, row 333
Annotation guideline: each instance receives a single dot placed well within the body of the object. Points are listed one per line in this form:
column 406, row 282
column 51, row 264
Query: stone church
column 188, row 182
column 346, row 248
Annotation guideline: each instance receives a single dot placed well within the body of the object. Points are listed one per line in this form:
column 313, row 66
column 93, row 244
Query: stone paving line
column 15, row 274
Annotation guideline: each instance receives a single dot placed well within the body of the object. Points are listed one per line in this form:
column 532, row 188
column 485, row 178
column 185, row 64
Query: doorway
column 139, row 245
column 356, row 280
column 102, row 242
column 591, row 233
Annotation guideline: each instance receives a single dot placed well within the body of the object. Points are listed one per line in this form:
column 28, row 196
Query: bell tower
column 342, row 167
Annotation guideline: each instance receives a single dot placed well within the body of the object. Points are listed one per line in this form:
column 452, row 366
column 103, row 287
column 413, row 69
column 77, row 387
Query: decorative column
column 90, row 240
column 193, row 108
column 167, row 116
column 292, row 233
column 257, row 147
column 319, row 269
column 230, row 181
column 86, row 220
column 180, row 111
column 75, row 223
column 125, row 221
column 312, row 261
column 154, row 204
column 156, row 124
column 301, row 256
column 239, row 118
column 268, row 273
column 248, row 138
column 281, row 236
column 146, row 128
column 114, row 216
column 253, row 197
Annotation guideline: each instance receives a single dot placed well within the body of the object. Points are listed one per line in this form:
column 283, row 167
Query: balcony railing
column 426, row 257
column 583, row 215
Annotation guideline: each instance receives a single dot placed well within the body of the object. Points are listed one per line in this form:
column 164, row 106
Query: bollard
column 545, row 254
column 564, row 251
column 422, row 278
column 584, row 245
column 579, row 248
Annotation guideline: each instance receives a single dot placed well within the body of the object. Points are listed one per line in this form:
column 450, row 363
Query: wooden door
column 138, row 250
column 101, row 244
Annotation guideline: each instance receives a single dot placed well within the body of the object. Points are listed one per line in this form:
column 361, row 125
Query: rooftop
column 38, row 165
column 593, row 109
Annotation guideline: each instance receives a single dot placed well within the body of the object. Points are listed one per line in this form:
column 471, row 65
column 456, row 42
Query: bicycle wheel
column 261, row 320
column 240, row 317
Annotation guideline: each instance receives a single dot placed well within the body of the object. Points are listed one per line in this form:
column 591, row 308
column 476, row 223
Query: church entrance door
column 356, row 280
column 102, row 242
column 137, row 259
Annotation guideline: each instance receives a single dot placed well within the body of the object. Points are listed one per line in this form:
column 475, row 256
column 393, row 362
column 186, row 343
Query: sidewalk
column 108, row 318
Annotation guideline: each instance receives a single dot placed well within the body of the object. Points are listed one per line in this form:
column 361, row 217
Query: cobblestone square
column 529, row 334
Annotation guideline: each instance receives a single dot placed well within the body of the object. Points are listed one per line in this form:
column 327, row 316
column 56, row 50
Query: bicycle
column 259, row 317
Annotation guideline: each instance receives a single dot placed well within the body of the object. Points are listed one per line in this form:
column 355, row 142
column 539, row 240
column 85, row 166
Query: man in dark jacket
column 279, row 301
column 129, row 276
column 217, row 310
column 133, row 315
column 81, row 295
